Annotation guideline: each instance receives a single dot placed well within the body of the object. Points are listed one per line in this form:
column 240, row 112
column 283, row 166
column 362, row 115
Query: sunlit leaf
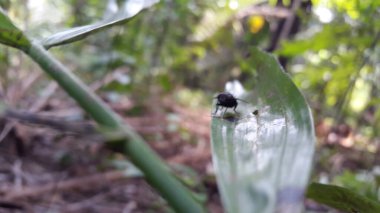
column 341, row 198
column 10, row 35
column 323, row 39
column 263, row 153
column 128, row 10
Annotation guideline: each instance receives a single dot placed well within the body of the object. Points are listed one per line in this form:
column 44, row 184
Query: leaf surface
column 112, row 17
column 263, row 154
column 10, row 35
column 341, row 198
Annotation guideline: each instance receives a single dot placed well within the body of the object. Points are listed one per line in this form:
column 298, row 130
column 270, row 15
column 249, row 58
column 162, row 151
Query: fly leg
column 216, row 109
column 235, row 108
column 224, row 111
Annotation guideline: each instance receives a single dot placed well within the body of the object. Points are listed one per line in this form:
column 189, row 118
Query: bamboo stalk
column 154, row 169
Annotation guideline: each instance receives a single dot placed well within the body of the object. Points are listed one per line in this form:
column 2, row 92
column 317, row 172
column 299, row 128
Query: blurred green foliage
column 364, row 183
column 341, row 198
column 336, row 63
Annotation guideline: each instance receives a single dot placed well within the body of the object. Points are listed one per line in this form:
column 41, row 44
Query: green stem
column 154, row 169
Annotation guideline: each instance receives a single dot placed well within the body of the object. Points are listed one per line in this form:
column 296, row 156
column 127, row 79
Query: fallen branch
column 55, row 123
column 81, row 183
column 11, row 205
column 60, row 124
column 263, row 10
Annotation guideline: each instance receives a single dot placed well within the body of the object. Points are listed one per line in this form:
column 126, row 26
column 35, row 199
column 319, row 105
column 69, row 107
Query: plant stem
column 344, row 100
column 154, row 169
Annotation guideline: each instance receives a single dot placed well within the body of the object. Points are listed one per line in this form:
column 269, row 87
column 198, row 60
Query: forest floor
column 45, row 169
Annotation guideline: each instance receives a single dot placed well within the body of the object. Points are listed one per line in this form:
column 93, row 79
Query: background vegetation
column 161, row 70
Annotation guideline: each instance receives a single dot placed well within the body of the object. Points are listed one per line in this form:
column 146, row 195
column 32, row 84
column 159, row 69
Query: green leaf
column 263, row 153
column 324, row 39
column 10, row 35
column 341, row 198
column 129, row 9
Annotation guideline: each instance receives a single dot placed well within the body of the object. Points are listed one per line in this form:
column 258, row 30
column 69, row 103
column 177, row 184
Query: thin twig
column 39, row 104
column 7, row 128
column 45, row 96
column 17, row 172
column 288, row 23
column 89, row 201
column 342, row 103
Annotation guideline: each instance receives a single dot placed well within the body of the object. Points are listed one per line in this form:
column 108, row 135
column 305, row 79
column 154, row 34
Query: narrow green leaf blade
column 263, row 154
column 10, row 35
column 341, row 198
column 129, row 10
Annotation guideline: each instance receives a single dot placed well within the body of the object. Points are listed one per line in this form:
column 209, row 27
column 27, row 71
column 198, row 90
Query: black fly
column 226, row 100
